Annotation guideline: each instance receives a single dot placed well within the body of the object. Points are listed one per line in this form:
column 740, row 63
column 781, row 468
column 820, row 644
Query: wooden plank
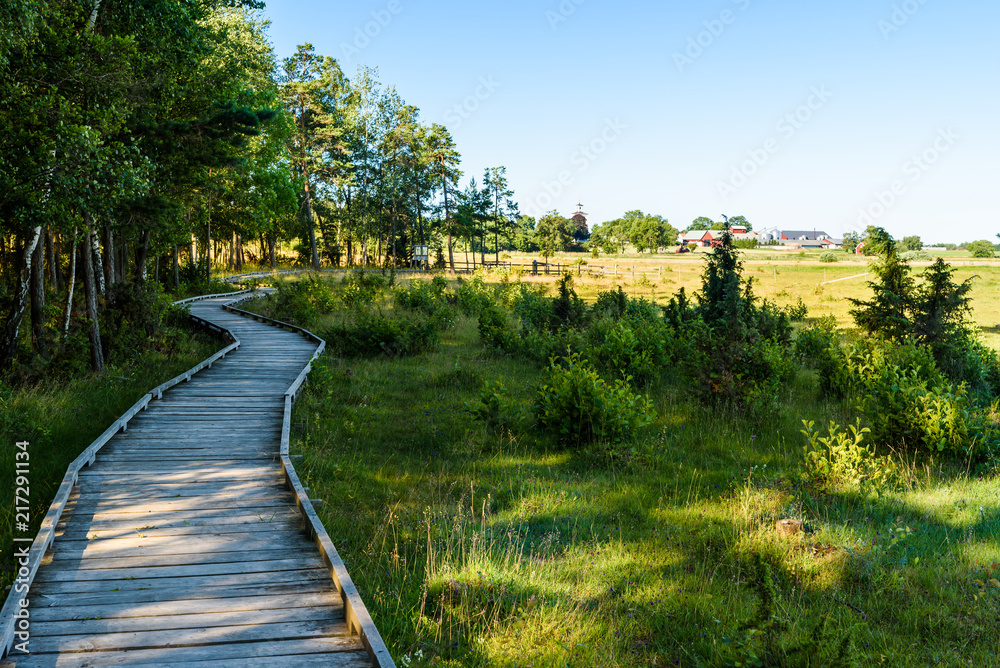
column 79, row 532
column 188, row 637
column 151, row 574
column 332, row 657
column 264, row 512
column 120, row 610
column 220, row 593
column 121, row 547
column 90, row 625
column 186, row 584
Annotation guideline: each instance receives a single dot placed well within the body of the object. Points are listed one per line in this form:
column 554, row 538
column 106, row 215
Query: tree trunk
column 98, row 263
column 177, row 267
column 57, row 263
column 90, row 290
column 72, row 284
column 193, row 252
column 326, row 236
column 8, row 342
column 208, row 243
column 270, row 251
column 53, row 264
column 141, row 255
column 311, row 226
column 37, row 278
column 109, row 253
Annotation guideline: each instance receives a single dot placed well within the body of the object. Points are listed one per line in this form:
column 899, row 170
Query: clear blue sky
column 691, row 109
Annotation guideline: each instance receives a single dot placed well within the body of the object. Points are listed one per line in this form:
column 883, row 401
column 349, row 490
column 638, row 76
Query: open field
column 481, row 547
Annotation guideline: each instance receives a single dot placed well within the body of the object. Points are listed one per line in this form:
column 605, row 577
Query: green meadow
column 491, row 545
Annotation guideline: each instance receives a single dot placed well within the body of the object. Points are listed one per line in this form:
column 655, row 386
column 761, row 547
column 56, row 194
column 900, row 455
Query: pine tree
column 887, row 313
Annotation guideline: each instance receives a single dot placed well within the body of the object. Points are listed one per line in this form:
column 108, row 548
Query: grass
column 60, row 418
column 475, row 547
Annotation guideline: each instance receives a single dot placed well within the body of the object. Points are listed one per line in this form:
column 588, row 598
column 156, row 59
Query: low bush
column 374, row 334
column 300, row 302
column 630, row 347
column 490, row 406
column 841, row 457
column 579, row 407
column 829, row 256
column 363, row 287
column 918, row 255
column 430, row 298
column 474, row 295
column 901, row 394
column 137, row 316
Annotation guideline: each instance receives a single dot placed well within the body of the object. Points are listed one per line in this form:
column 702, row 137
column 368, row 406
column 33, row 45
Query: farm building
column 708, row 238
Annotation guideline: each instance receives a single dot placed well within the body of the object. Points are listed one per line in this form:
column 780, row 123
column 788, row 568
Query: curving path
column 182, row 545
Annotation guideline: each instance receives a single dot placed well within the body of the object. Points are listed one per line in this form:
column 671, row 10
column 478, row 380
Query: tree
column 721, row 296
column 446, row 158
column 600, row 238
column 700, row 223
column 981, row 249
column 309, row 82
column 940, row 305
column 649, row 232
column 553, row 232
column 851, row 242
column 740, row 221
column 504, row 209
column 887, row 313
column 912, row 243
column 524, row 234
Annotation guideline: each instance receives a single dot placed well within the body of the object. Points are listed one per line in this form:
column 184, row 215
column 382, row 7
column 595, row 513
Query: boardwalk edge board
column 357, row 615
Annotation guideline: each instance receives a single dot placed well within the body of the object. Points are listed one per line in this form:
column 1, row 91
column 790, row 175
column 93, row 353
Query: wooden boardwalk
column 183, row 544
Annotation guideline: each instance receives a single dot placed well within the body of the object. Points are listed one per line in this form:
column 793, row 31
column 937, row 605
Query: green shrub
column 901, row 394
column 474, row 295
column 981, row 249
column 579, row 407
column 299, row 302
column 495, row 330
column 813, row 343
column 796, row 312
column 362, row 287
column 136, row 316
column 918, row 255
column 630, row 347
column 374, row 334
column 841, row 457
column 568, row 310
column 490, row 406
column 829, row 256
column 428, row 297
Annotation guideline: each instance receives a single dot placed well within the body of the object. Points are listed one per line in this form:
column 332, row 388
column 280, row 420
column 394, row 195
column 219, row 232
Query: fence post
column 534, row 267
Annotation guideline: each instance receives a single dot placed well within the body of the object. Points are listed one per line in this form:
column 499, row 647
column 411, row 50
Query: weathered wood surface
column 182, row 544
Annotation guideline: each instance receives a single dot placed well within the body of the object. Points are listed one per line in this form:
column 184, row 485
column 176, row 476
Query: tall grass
column 478, row 547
